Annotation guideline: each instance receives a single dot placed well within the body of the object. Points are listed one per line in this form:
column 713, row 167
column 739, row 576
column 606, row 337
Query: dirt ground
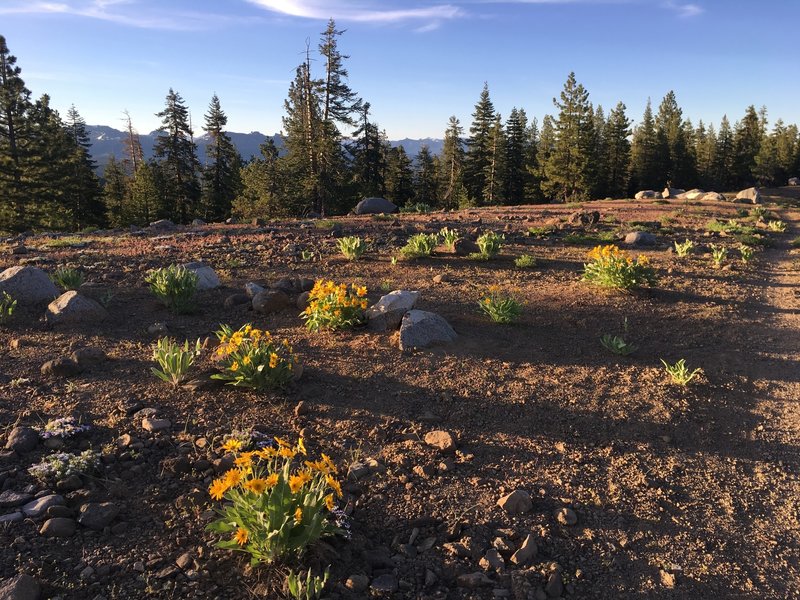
column 680, row 492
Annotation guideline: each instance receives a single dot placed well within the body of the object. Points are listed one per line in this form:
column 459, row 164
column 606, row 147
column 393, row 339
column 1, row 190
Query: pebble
column 526, row 551
column 516, row 503
column 444, row 441
column 155, row 425
column 97, row 515
column 384, row 584
column 357, row 583
column 473, row 580
column 555, row 586
column 38, row 507
column 21, row 587
column 14, row 517
column 492, row 561
column 58, row 527
column 10, row 499
column 566, row 516
column 22, row 440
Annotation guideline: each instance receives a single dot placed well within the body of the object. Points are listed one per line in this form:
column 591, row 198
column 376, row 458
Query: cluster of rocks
column 418, row 328
column 748, row 195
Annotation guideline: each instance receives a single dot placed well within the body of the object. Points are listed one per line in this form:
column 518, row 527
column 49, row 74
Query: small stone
column 424, row 471
column 37, row 508
column 87, row 573
column 157, row 329
column 444, row 441
column 357, row 470
column 302, row 300
column 526, row 552
column 185, row 561
column 14, row 517
column 357, row 583
column 21, row 587
column 554, row 587
column 10, row 499
column 86, row 358
column 61, row 367
column 236, row 300
column 667, row 579
column 70, row 483
column 71, row 308
column 516, row 503
column 270, row 301
column 301, row 409
column 492, row 561
column 97, row 515
column 58, row 527
column 566, row 516
column 384, row 584
column 253, row 289
column 60, row 511
column 473, row 580
column 155, row 425
column 442, row 278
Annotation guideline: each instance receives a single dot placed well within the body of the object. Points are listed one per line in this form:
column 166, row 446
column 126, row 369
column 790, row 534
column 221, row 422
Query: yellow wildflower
column 234, row 366
column 245, row 460
column 232, row 445
column 296, row 482
column 217, row 489
column 334, row 485
column 257, row 486
column 241, row 536
column 272, row 480
column 298, row 516
column 329, row 464
column 301, row 446
column 282, row 442
column 246, row 360
column 266, row 453
column 286, row 453
column 233, row 477
column 273, row 360
column 361, row 292
column 329, row 504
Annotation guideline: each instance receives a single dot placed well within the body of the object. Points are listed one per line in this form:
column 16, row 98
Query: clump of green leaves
column 617, row 345
column 679, row 373
column 541, row 231
column 252, row 358
column 526, row 261
column 174, row 286
column 421, row 208
column 7, row 307
column 747, row 253
column 718, row 255
column 67, row 278
column 352, row 247
column 489, row 244
column 174, row 360
column 684, row 249
column 449, row 237
column 611, row 267
column 306, row 588
column 776, row 226
column 498, row 307
column 758, row 213
column 55, row 467
column 420, row 245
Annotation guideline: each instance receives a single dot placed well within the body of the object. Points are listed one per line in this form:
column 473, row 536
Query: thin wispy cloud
column 362, row 12
column 131, row 13
column 685, row 10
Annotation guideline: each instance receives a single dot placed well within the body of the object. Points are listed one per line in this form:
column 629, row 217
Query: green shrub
column 67, row 278
column 306, row 588
column 174, row 286
column 7, row 307
column 175, row 360
column 352, row 247
column 747, row 253
column 684, row 249
column 718, row 255
column 489, row 244
column 449, row 238
column 251, row 358
column 617, row 345
column 679, row 373
column 610, row 267
column 420, row 245
column 273, row 511
column 500, row 308
column 777, row 226
column 526, row 261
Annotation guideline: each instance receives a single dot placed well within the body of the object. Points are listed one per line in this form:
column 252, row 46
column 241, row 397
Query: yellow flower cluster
column 248, row 334
column 612, row 253
column 335, row 305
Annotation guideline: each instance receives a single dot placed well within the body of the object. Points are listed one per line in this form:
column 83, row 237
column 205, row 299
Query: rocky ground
column 519, row 461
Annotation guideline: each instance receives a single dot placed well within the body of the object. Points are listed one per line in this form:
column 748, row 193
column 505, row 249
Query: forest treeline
column 335, row 154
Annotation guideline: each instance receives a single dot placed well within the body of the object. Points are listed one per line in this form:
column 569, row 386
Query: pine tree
column 787, row 147
column 478, row 157
column 645, row 169
column 568, row 171
column 15, row 104
column 263, row 184
column 368, row 157
column 133, row 147
column 600, row 168
column 747, row 137
column 516, row 175
column 705, row 150
column 83, row 194
column 452, row 192
column 116, row 189
column 495, row 173
column 725, row 157
column 547, row 142
column 221, row 175
column 399, row 176
column 532, row 190
column 145, row 202
column 617, row 152
column 673, row 158
column 177, row 157
column 425, row 178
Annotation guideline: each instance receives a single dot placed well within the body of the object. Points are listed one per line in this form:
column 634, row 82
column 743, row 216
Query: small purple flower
column 65, row 427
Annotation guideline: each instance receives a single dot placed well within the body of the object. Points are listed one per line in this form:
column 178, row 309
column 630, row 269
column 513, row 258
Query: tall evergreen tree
column 83, row 194
column 452, row 192
column 705, row 150
column 263, row 185
column 368, row 156
column 516, row 174
column 145, row 202
column 569, row 174
column 532, row 191
column 645, row 168
column 116, row 190
column 600, row 158
column 673, row 158
column 617, row 152
column 133, row 147
column 478, row 158
column 399, row 176
column 177, row 157
column 725, row 157
column 747, row 138
column 221, row 175
column 495, row 174
column 425, row 178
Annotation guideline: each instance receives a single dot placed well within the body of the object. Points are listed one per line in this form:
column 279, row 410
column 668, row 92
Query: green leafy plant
column 718, row 255
column 610, row 267
column 684, row 249
column 306, row 588
column 747, row 253
column 352, row 247
column 489, row 244
column 776, row 226
column 274, row 508
column 541, row 231
column 252, row 358
column 421, row 208
column 55, row 467
column 7, row 307
column 679, row 372
column 419, row 245
column 67, row 278
column 617, row 345
column 307, row 255
column 499, row 308
column 526, row 261
column 758, row 213
column 332, row 306
column 324, row 224
column 449, row 237
column 174, row 286
column 174, row 360
column 590, row 238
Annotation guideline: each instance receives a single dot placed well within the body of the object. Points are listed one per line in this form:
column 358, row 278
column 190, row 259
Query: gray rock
column 384, row 584
column 61, row 367
column 71, row 308
column 253, row 289
column 96, row 515
column 526, row 551
column 473, row 580
column 516, row 503
column 444, row 441
column 157, row 329
column 492, row 561
column 566, row 516
column 236, row 300
column 58, row 527
column 198, row 222
column 270, row 301
column 750, row 195
column 357, row 583
column 647, row 195
column 554, row 587
column 162, row 225
column 87, row 358
column 387, row 313
column 21, row 587
column 421, row 329
column 14, row 517
column 640, row 238
column 207, row 279
column 691, row 194
column 584, row 218
column 154, row 425
column 375, row 206
column 713, row 197
column 10, row 499
column 27, row 285
column 38, row 508
column 22, row 440
column 794, row 181
column 302, row 300
column 465, row 247
column 672, row 192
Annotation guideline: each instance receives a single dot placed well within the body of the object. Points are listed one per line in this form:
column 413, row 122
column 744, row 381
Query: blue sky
column 416, row 61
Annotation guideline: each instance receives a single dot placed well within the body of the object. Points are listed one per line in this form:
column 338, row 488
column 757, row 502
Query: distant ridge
column 108, row 142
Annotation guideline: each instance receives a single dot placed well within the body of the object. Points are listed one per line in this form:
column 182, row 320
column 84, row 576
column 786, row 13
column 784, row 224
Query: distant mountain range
column 108, row 142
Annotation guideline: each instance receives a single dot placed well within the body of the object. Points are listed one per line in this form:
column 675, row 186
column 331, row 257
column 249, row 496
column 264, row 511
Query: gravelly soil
column 680, row 492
